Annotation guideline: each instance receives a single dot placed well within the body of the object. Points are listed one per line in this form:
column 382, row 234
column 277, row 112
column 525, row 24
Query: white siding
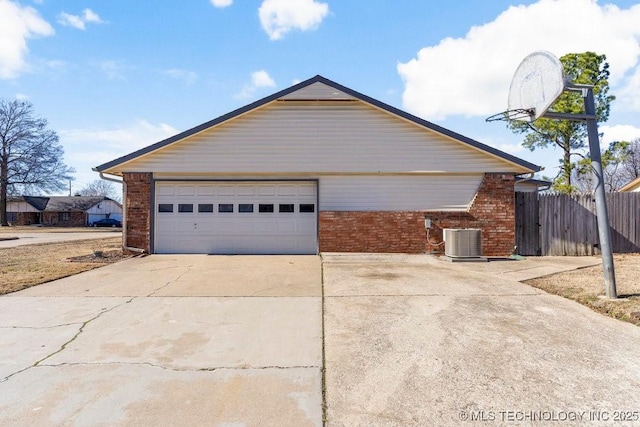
column 317, row 138
column 106, row 207
column 20, row 207
column 397, row 193
column 317, row 91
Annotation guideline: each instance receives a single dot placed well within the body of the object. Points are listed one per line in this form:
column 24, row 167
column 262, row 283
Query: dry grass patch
column 30, row 265
column 586, row 286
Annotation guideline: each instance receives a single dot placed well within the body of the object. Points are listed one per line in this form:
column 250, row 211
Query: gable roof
column 72, row 203
column 304, row 92
column 61, row 203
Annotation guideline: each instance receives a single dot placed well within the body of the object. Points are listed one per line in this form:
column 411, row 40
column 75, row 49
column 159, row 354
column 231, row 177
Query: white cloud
column 69, row 20
column 221, row 3
column 18, row 24
column 278, row 17
column 259, row 79
column 22, row 97
column 79, row 21
column 113, row 69
column 629, row 93
column 87, row 148
column 618, row 133
column 91, row 16
column 471, row 75
column 118, row 141
column 188, row 77
column 262, row 79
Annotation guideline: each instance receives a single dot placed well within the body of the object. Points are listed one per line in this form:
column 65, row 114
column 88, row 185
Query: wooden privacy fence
column 558, row 224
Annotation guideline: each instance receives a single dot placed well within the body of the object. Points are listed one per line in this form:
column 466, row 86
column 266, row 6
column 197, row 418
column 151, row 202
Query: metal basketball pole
column 602, row 215
column 601, row 201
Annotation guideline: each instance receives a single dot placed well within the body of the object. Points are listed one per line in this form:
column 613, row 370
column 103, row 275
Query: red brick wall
column 75, row 219
column 492, row 210
column 371, row 231
column 27, row 218
column 138, row 210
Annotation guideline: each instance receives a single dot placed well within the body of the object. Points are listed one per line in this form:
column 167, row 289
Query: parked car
column 107, row 222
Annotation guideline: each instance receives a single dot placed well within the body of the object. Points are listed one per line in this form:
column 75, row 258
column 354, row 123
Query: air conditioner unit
column 463, row 243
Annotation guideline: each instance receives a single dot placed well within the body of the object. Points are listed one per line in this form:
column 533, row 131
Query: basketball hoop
column 509, row 115
column 536, row 84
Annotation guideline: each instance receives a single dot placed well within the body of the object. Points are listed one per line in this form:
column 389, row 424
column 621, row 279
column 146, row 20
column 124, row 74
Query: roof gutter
column 124, row 217
column 106, row 178
column 527, row 178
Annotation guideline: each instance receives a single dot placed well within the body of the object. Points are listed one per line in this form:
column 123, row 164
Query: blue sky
column 114, row 76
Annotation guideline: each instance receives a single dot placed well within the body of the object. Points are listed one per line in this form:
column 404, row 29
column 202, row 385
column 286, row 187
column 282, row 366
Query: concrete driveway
column 413, row 340
column 404, row 340
column 167, row 340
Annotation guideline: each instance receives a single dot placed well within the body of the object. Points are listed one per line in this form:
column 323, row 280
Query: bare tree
column 31, row 157
column 631, row 164
column 103, row 188
column 612, row 167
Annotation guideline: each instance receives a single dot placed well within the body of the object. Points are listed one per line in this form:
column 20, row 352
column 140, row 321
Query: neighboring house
column 61, row 210
column 632, row 186
column 317, row 167
column 527, row 185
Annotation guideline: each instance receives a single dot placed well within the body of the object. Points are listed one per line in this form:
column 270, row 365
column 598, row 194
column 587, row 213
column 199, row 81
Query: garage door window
column 266, row 208
column 286, row 208
column 225, row 207
column 165, row 208
column 185, row 207
column 307, row 208
column 245, row 208
column 205, row 208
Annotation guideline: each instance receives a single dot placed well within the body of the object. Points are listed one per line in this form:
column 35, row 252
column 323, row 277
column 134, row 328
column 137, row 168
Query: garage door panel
column 186, row 190
column 226, row 190
column 165, row 191
column 208, row 230
column 266, row 190
column 205, row 190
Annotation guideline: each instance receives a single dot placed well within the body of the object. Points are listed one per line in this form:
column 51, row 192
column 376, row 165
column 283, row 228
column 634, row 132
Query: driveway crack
column 64, row 345
column 41, row 327
column 174, row 369
column 171, row 281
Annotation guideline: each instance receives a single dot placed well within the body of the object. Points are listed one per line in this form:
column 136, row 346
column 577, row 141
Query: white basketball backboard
column 536, row 84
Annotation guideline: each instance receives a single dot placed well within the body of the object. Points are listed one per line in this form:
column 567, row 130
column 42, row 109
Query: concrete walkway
column 242, row 340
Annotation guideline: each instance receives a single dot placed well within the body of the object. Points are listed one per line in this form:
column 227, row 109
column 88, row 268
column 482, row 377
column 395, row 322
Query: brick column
column 493, row 210
column 138, row 210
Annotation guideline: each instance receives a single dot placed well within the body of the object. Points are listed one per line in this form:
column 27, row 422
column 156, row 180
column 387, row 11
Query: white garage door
column 236, row 217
